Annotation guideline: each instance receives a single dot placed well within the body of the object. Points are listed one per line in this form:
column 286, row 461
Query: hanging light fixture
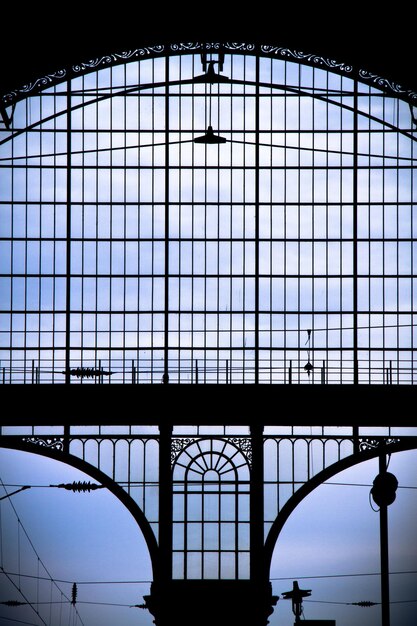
column 210, row 77
column 308, row 367
column 210, row 137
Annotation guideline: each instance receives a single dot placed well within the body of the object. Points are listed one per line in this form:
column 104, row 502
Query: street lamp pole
column 383, row 493
column 383, row 531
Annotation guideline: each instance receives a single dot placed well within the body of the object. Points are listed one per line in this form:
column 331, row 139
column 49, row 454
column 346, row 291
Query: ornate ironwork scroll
column 243, row 444
column 116, row 58
column 374, row 443
column 54, row 443
column 387, row 85
column 308, row 58
column 178, row 445
column 284, row 53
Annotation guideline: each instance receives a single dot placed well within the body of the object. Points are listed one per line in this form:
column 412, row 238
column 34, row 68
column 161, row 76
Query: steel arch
column 103, row 479
column 317, row 480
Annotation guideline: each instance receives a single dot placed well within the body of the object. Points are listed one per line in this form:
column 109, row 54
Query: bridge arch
column 317, row 480
column 99, row 476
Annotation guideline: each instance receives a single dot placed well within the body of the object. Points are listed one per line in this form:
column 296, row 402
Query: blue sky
column 83, row 537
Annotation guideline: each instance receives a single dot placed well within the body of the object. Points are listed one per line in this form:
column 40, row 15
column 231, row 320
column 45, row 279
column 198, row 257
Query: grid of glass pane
column 130, row 253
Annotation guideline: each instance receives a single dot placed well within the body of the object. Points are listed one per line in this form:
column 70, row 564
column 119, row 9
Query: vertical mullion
column 68, row 241
column 124, row 209
column 25, row 299
column 179, row 318
column 257, row 220
column 217, row 254
column 219, row 528
column 411, row 232
column 185, row 527
column 236, row 518
column 242, row 266
column 166, row 298
column 203, row 528
column 112, row 196
column 383, row 244
column 313, row 230
column 205, row 253
column 369, row 316
column 231, row 232
column 285, row 214
column 192, row 230
column 298, row 232
column 96, row 317
column 152, row 97
column 83, row 242
column 137, row 196
column 355, row 235
column 271, row 242
column 12, row 256
column 54, row 316
column 40, row 241
column 298, row 134
column 397, row 245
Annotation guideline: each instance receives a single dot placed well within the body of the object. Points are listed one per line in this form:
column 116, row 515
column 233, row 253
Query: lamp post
column 383, row 494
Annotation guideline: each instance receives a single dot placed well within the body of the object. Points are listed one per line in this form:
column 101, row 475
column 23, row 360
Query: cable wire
column 143, row 582
column 340, row 575
column 20, row 525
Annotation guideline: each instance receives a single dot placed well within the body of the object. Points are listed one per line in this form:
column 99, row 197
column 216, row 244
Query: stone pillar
column 211, row 603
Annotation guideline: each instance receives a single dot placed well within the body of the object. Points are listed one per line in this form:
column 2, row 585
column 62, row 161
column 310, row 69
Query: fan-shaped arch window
column 211, row 483
column 200, row 213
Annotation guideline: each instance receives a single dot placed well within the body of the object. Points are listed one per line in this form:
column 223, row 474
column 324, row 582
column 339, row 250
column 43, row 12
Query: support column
column 159, row 602
column 261, row 589
column 211, row 603
column 165, row 503
column 257, row 569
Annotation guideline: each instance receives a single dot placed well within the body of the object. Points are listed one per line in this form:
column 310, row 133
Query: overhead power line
column 40, row 561
column 340, row 575
column 143, row 582
column 363, row 603
column 82, row 582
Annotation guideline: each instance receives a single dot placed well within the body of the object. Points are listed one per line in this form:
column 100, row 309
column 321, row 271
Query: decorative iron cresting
column 53, row 443
column 178, row 445
column 366, row 443
column 306, row 58
column 388, row 85
column 243, row 444
column 116, row 58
